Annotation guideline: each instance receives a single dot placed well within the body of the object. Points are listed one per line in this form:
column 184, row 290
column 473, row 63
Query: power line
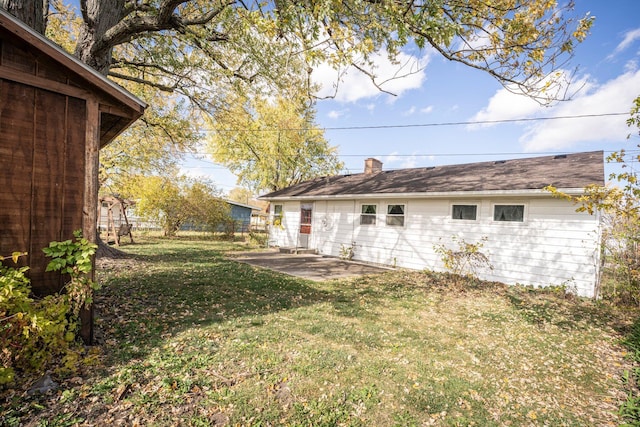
column 477, row 122
column 537, row 153
column 419, row 125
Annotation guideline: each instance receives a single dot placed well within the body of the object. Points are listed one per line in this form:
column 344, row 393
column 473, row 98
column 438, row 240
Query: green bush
column 258, row 238
column 75, row 259
column 32, row 332
column 466, row 260
column 36, row 332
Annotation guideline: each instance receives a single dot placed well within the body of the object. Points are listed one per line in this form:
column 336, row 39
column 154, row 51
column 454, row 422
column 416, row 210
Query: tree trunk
column 98, row 17
column 106, row 251
column 31, row 12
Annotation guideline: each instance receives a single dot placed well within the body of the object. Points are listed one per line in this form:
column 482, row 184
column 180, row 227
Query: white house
column 398, row 217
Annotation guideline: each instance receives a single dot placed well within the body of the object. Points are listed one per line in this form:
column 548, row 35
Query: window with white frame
column 368, row 214
column 508, row 213
column 467, row 212
column 277, row 214
column 395, row 215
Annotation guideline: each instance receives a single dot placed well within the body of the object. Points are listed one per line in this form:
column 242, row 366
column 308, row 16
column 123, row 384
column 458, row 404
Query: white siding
column 554, row 245
column 285, row 234
column 332, row 226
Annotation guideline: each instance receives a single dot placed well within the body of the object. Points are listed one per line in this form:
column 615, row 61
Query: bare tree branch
column 142, row 81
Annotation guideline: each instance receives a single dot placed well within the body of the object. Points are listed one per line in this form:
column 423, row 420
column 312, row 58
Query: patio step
column 301, row 251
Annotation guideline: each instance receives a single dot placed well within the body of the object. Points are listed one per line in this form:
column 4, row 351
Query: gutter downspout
column 353, row 226
column 600, row 260
column 295, row 250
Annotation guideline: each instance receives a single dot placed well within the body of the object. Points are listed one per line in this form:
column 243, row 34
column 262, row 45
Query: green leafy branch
column 74, row 258
column 14, row 256
column 466, row 260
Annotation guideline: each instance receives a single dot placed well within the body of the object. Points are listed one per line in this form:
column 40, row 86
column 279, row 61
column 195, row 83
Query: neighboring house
column 240, row 215
column 55, row 114
column 398, row 217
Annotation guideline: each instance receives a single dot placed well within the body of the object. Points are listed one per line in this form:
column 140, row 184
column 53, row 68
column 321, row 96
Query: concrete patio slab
column 308, row 266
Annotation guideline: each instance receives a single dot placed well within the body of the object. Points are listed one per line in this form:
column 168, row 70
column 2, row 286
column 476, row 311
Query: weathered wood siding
column 554, row 245
column 42, row 159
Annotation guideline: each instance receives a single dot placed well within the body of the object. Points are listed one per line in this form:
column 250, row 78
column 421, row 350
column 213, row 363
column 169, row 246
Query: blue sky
column 444, row 92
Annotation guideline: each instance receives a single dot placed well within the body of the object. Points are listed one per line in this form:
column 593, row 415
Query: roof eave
column 253, row 208
column 431, row 195
column 74, row 64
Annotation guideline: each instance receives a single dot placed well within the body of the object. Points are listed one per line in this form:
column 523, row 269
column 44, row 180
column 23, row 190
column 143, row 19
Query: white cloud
column 410, row 162
column 391, row 158
column 395, row 161
column 614, row 96
column 505, row 105
column 629, row 38
column 336, row 114
column 426, row 110
column 410, row 111
column 352, row 85
column 512, row 104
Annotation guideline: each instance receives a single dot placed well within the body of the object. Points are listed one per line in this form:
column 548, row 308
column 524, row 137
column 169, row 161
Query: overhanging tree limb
column 142, row 81
column 134, row 25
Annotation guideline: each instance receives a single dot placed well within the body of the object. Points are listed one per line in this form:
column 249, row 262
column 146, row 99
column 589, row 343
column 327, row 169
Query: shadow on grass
column 170, row 287
column 551, row 306
column 566, row 311
column 162, row 291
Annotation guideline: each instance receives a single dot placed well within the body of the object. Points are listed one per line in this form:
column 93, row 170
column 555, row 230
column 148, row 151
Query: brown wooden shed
column 55, row 114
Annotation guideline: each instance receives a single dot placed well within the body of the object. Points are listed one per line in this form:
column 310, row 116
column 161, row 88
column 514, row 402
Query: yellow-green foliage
column 14, row 301
column 32, row 332
column 258, row 238
column 619, row 208
column 35, row 332
column 75, row 259
column 466, row 260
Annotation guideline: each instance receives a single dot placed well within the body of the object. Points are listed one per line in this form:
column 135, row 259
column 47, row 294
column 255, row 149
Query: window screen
column 305, row 216
column 514, row 213
column 395, row 215
column 368, row 215
column 464, row 212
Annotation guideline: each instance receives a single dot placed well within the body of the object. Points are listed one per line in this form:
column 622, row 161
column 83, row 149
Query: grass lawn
column 190, row 337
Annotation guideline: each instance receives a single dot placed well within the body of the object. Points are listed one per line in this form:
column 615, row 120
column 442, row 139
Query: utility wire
column 541, row 153
column 418, row 125
column 478, row 122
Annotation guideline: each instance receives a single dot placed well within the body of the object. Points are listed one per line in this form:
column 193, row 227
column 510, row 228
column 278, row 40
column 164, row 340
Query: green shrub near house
column 40, row 334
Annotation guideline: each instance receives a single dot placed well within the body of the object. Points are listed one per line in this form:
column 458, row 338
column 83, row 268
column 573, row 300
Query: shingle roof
column 534, row 173
column 242, row 205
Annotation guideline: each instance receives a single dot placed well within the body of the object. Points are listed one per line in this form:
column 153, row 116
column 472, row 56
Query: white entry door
column 306, row 213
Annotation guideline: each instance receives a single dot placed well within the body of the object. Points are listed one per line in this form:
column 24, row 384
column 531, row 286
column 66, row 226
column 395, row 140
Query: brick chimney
column 372, row 165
